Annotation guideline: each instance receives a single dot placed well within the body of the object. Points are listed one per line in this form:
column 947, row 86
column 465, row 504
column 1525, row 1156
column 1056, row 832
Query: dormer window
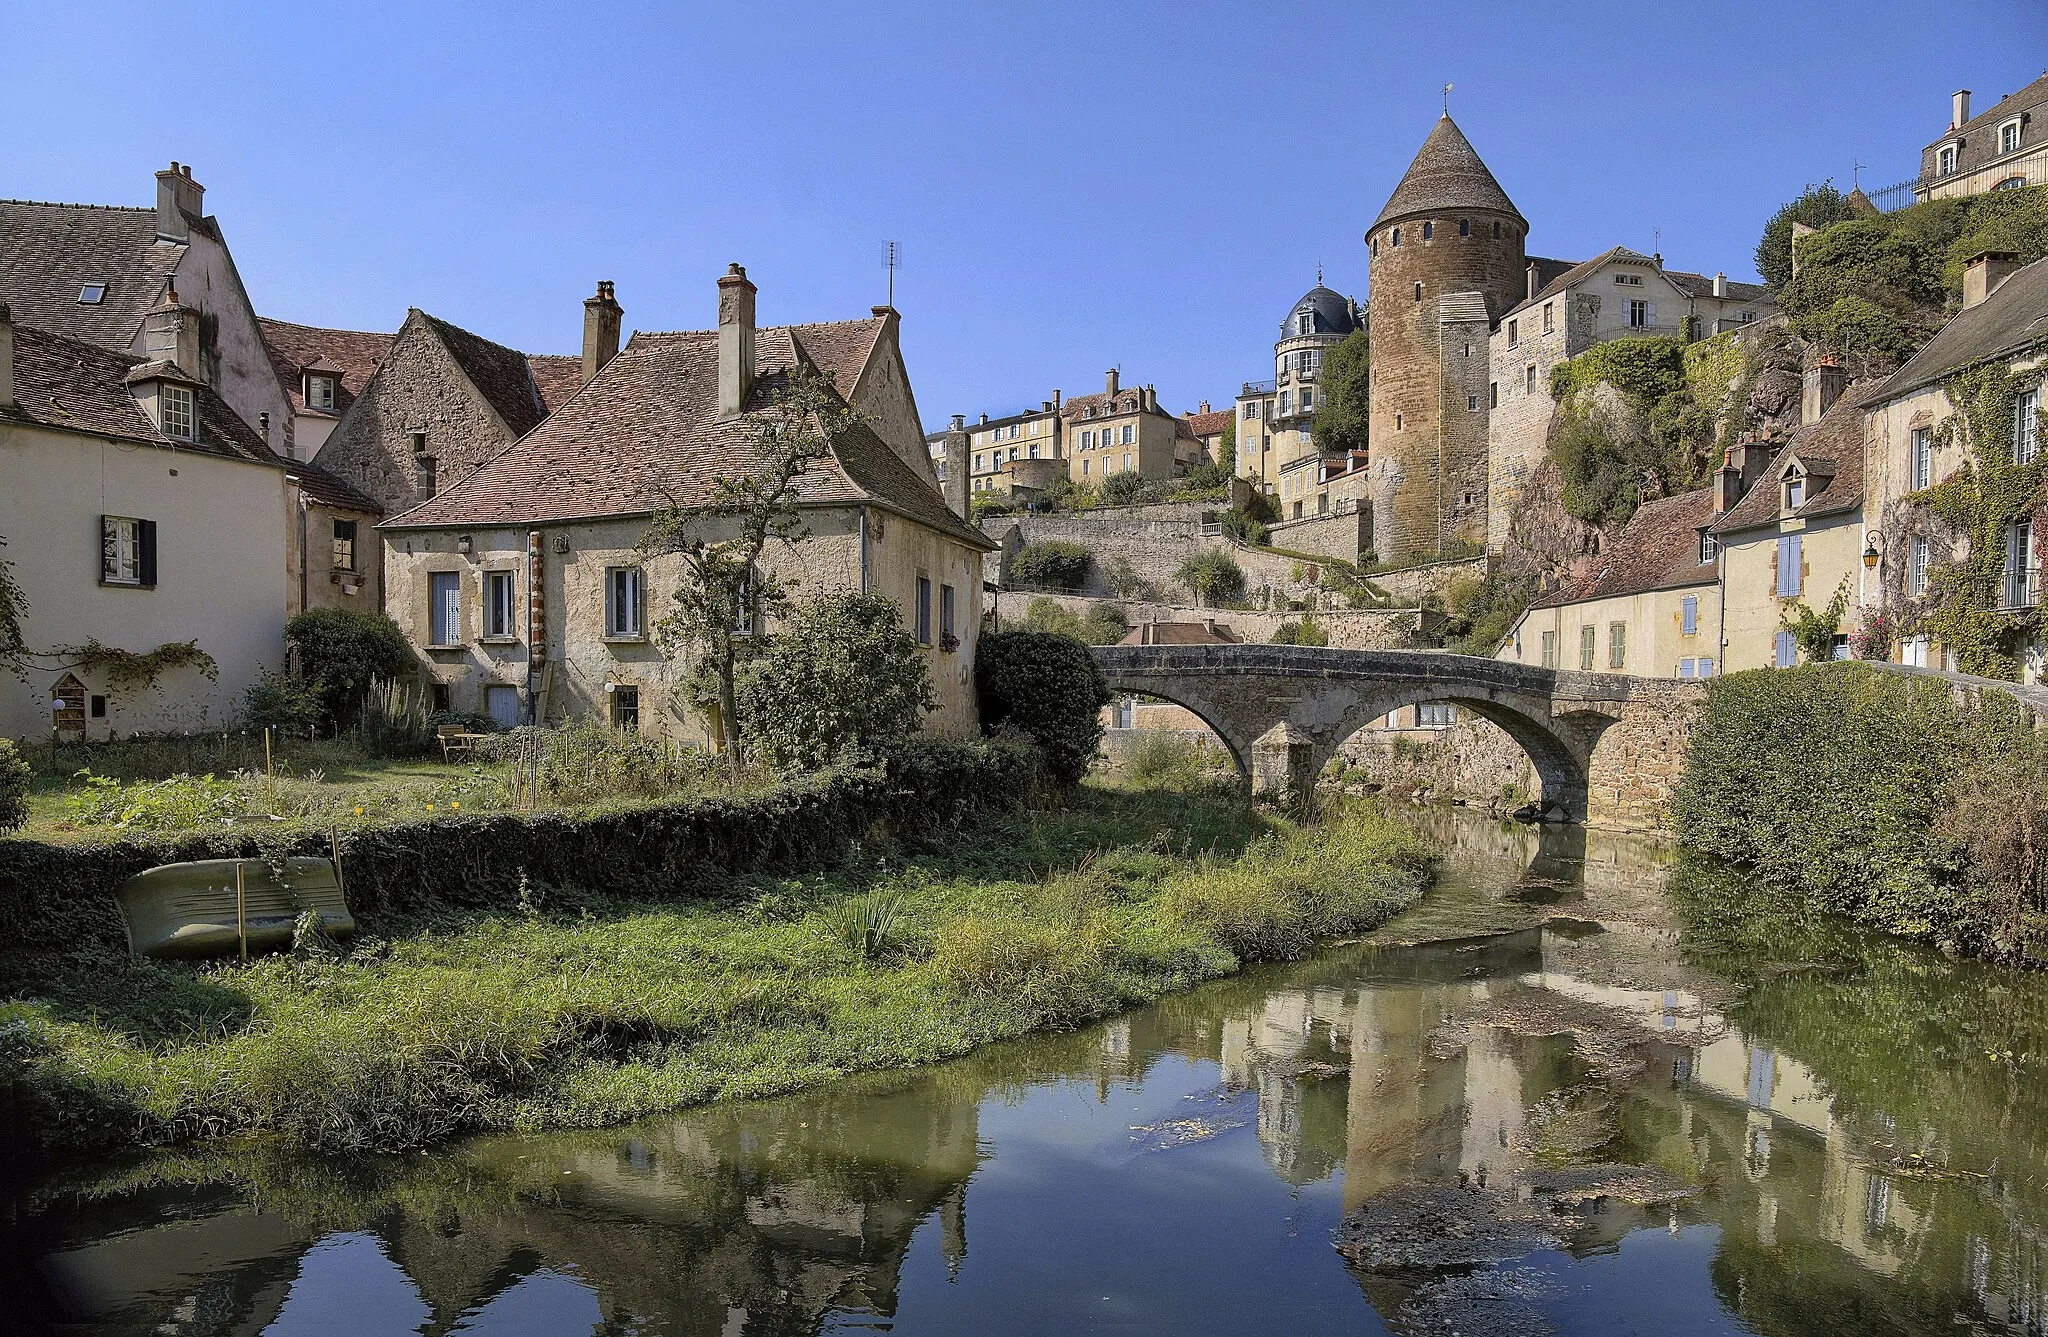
column 320, row 392
column 1795, row 489
column 175, row 418
column 1308, row 323
column 2009, row 136
column 1945, row 160
column 92, row 294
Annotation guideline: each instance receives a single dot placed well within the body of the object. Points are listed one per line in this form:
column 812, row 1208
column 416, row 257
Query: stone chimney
column 1045, row 406
column 1204, row 408
column 1959, row 109
column 1151, row 400
column 1727, row 484
column 177, row 195
column 1533, row 284
column 735, row 340
column 602, row 316
column 1055, row 399
column 170, row 332
column 955, row 454
column 1821, row 386
column 983, row 422
column 1110, row 381
column 6, row 357
column 1983, row 272
column 1720, row 284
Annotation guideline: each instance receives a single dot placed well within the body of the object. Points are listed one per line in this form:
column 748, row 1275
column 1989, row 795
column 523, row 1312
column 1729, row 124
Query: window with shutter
column 1783, row 652
column 444, row 608
column 1789, row 583
column 1689, row 616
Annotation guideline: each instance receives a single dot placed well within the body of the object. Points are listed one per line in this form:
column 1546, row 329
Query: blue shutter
column 1690, row 615
column 1788, row 566
column 1783, row 651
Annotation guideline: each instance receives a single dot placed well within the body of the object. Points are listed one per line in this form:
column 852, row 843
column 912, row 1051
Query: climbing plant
column 130, row 668
column 1814, row 630
column 1976, row 505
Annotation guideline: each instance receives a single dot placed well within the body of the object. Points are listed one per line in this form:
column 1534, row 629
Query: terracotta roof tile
column 556, row 376
column 1832, row 449
column 647, row 431
column 1658, row 549
column 50, row 251
column 77, row 386
column 1209, row 424
column 295, row 349
column 328, row 489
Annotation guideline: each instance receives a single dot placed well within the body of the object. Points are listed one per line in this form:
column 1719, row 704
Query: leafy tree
column 719, row 537
column 1103, row 624
column 1048, row 688
column 1816, row 206
column 13, row 608
column 1308, row 631
column 1814, row 630
column 1345, row 402
column 844, row 676
column 1226, row 448
column 1052, row 564
column 1122, row 489
column 1211, row 576
column 14, row 781
column 341, row 651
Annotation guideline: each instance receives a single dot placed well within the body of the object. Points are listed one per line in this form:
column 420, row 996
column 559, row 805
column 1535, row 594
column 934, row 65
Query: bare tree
column 720, row 537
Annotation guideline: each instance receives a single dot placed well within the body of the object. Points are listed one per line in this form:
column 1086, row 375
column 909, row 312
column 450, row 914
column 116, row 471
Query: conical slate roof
column 1446, row 174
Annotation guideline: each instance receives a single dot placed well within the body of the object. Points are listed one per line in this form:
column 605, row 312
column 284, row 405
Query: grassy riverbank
column 618, row 1011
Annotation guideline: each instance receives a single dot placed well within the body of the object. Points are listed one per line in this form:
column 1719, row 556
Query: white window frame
column 625, row 603
column 177, row 412
column 1710, row 548
column 120, row 550
column 2026, row 436
column 319, row 392
column 1919, row 556
column 343, row 553
column 1946, row 158
column 2014, row 126
column 1638, row 313
column 1920, row 468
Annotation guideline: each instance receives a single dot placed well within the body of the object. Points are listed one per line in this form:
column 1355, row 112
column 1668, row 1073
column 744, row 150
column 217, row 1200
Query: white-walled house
column 139, row 510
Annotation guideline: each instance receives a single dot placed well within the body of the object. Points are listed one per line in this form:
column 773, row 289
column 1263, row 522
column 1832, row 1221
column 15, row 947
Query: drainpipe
column 1721, row 635
column 863, row 550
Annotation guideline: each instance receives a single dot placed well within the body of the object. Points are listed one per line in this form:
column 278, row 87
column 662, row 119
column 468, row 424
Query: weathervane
column 1447, row 99
column 1856, row 174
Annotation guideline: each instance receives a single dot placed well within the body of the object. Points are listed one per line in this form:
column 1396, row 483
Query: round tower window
column 1496, row 231
column 1428, row 231
column 1397, row 236
column 1464, row 227
column 1418, row 292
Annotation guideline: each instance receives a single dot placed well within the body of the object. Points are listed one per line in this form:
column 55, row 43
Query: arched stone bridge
column 1607, row 748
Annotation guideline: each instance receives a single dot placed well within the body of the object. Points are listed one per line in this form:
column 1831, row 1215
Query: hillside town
column 657, row 830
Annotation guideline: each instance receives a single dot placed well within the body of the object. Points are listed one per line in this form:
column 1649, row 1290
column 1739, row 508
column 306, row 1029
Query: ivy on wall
column 1965, row 517
column 127, row 668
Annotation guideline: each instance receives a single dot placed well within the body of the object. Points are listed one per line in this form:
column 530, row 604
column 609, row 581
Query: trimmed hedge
column 1843, row 781
column 59, row 897
column 1047, row 687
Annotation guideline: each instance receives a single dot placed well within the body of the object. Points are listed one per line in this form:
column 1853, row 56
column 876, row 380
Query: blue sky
column 1074, row 186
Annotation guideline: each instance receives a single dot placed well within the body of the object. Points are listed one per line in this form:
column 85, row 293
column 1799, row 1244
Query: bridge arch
column 1316, row 699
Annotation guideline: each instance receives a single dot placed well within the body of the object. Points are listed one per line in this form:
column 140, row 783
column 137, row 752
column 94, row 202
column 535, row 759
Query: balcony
column 1257, row 388
column 2020, row 589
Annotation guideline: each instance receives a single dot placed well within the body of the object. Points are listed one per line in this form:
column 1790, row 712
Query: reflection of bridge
column 1284, row 710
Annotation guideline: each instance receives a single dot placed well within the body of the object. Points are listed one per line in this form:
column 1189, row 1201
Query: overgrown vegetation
column 1479, row 610
column 15, row 777
column 1102, row 624
column 595, row 1011
column 1051, row 564
column 1874, row 287
column 1306, row 631
column 1344, row 408
column 1880, row 797
column 1814, row 629
column 1212, row 576
column 340, row 652
column 1048, row 688
column 842, row 677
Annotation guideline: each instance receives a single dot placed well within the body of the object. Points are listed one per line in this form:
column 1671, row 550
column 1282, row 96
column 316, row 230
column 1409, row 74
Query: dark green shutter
column 148, row 535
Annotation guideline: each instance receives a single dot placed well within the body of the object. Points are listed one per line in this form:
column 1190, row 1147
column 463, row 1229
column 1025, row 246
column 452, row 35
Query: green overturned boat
column 179, row 910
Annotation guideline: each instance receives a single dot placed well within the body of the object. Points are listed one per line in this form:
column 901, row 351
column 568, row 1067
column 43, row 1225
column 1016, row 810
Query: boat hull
column 185, row 910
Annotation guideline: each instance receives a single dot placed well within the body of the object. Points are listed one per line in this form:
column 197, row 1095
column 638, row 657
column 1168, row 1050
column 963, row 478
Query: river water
column 1844, row 1135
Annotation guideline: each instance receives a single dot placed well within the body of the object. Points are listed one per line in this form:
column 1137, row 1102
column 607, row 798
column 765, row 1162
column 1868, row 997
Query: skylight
column 92, row 294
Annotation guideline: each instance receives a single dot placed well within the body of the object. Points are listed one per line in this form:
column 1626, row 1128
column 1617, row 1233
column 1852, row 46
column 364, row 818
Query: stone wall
column 1473, row 759
column 1342, row 536
column 1408, row 586
column 1150, row 542
column 1348, row 629
column 1640, row 758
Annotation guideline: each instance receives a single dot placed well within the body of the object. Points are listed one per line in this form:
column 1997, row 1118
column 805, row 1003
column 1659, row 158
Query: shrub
column 392, row 721
column 1212, row 576
column 843, row 676
column 1835, row 778
column 1308, row 631
column 1166, row 758
column 342, row 651
column 1816, row 206
column 1048, row 688
column 1102, row 624
column 866, row 924
column 1122, row 489
column 583, row 762
column 178, row 803
column 281, row 700
column 1051, row 564
column 14, row 778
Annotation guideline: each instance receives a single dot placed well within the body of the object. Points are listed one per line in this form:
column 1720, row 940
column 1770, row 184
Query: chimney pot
column 984, row 420
column 1720, row 284
column 177, row 197
column 602, row 317
column 735, row 340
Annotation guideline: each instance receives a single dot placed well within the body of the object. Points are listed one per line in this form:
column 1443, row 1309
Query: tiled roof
column 1702, row 285
column 499, row 373
column 1181, row 633
column 354, row 355
column 647, row 431
column 2014, row 315
column 1209, row 424
column 1129, row 399
column 329, row 490
column 1658, row 549
column 1692, row 285
column 1835, row 442
column 556, row 376
column 50, row 251
column 841, row 347
column 77, row 386
column 1446, row 174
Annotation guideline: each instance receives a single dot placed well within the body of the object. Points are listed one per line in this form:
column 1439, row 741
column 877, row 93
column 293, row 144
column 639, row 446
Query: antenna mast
column 892, row 260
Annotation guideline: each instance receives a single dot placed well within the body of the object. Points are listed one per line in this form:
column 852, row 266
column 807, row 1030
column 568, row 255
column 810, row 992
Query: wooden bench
column 456, row 741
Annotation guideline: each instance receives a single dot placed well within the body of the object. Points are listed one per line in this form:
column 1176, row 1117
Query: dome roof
column 1331, row 313
column 1446, row 174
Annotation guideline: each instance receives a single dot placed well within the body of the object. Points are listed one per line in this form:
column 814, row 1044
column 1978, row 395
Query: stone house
column 1914, row 441
column 1795, row 535
column 1567, row 309
column 1277, row 453
column 1208, row 426
column 135, row 497
column 1016, row 452
column 1123, row 430
column 521, row 584
column 1651, row 608
column 2000, row 149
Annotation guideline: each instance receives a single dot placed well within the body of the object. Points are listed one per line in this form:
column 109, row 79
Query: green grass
column 543, row 1021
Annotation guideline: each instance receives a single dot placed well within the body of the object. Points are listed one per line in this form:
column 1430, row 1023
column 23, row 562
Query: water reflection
column 1861, row 1120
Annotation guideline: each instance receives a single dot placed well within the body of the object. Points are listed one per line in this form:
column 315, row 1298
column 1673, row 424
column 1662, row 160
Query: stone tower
column 1446, row 261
